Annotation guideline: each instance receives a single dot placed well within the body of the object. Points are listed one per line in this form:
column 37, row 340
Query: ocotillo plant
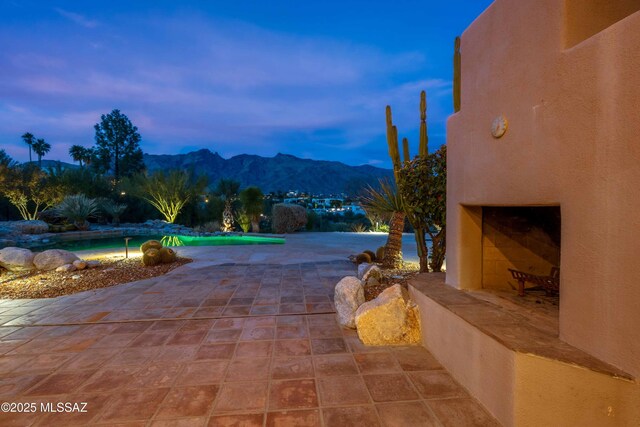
column 457, row 70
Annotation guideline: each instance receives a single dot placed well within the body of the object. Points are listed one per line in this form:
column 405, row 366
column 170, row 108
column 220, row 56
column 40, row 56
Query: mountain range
column 282, row 172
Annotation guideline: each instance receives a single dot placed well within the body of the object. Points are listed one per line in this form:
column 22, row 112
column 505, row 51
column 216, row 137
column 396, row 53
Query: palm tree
column 88, row 156
column 78, row 153
column 28, row 139
column 40, row 147
column 228, row 190
column 386, row 202
column 252, row 201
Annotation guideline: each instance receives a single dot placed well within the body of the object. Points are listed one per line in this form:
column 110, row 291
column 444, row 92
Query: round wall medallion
column 499, row 126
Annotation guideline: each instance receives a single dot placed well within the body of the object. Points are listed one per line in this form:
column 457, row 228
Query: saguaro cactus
column 424, row 139
column 392, row 141
column 457, row 70
column 405, row 150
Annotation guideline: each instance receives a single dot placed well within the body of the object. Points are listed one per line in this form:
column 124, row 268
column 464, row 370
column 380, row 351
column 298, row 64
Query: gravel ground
column 391, row 277
column 51, row 284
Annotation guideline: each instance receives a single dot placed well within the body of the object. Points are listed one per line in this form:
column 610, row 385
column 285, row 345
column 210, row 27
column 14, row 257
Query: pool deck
column 244, row 335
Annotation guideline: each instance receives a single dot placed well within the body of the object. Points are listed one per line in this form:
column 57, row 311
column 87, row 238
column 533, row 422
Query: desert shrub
column 167, row 255
column 371, row 254
column 112, row 209
column 151, row 257
column 314, row 221
column 77, row 209
column 362, row 258
column 244, row 220
column 168, row 192
column 288, row 218
column 359, row 227
column 150, row 244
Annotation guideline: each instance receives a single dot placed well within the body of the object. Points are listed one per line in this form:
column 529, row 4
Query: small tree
column 252, row 201
column 423, row 187
column 117, row 146
column 41, row 147
column 29, row 189
column 168, row 192
column 228, row 190
column 288, row 218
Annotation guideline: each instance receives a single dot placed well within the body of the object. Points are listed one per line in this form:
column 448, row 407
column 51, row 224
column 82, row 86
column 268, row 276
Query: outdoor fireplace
column 525, row 239
column 547, row 125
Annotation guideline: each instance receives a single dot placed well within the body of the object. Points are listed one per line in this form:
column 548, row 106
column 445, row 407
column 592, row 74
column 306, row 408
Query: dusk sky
column 305, row 78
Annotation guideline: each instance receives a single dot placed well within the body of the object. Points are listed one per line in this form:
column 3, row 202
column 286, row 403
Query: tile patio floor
column 228, row 345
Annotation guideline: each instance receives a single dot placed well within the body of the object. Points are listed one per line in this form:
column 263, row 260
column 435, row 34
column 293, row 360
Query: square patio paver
column 242, row 349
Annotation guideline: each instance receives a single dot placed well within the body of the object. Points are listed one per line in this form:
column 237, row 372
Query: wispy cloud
column 77, row 18
column 187, row 81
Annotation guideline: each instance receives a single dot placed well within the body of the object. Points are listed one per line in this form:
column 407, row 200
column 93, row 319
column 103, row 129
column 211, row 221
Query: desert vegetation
column 418, row 195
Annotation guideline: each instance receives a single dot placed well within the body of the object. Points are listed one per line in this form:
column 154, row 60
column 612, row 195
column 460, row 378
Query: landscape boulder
column 66, row 268
column 372, row 273
column 390, row 319
column 31, row 227
column 53, row 258
column 16, row 259
column 363, row 268
column 80, row 264
column 348, row 296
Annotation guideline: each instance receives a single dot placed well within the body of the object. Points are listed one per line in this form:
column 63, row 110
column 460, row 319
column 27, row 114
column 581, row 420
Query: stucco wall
column 573, row 141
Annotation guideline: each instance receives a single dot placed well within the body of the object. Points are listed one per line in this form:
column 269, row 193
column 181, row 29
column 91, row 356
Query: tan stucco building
column 560, row 188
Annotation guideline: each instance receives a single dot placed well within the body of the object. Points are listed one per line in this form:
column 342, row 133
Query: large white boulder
column 363, row 268
column 390, row 319
column 53, row 258
column 31, row 227
column 16, row 259
column 348, row 296
column 372, row 273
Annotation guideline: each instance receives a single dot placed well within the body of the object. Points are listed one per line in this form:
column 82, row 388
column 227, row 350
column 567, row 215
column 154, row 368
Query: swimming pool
column 170, row 240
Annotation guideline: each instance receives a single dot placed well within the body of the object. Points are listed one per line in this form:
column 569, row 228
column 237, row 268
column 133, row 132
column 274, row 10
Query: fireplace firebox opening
column 524, row 239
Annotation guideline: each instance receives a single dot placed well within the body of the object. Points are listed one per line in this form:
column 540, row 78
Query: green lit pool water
column 173, row 240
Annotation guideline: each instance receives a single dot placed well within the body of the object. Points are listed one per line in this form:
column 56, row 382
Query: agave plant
column 386, row 203
column 77, row 209
column 112, row 209
column 359, row 227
